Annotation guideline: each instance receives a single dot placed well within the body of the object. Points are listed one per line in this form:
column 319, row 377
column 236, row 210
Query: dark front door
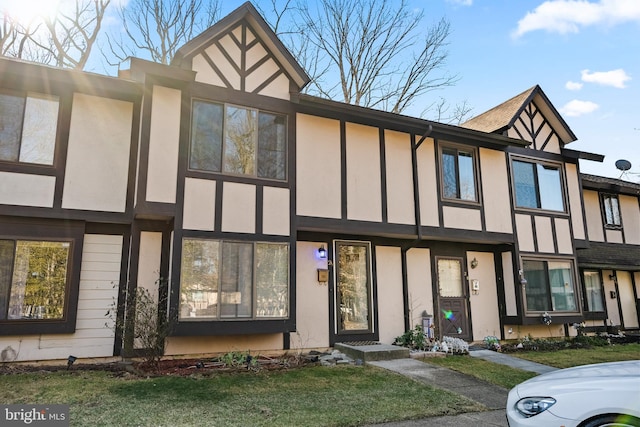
column 453, row 319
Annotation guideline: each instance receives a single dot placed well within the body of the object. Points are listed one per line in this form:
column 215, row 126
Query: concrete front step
column 372, row 351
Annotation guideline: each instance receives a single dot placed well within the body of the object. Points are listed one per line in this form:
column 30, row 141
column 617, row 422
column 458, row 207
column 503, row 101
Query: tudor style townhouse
column 264, row 219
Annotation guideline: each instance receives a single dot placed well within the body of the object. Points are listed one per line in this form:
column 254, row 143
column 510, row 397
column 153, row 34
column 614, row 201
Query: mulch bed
column 173, row 367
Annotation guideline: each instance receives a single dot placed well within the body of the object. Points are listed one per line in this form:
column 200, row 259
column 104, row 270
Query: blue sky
column 585, row 55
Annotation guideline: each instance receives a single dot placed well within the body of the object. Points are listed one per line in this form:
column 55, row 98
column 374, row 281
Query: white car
column 604, row 394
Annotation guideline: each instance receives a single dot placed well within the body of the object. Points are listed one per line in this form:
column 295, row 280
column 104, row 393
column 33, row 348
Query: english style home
column 264, row 219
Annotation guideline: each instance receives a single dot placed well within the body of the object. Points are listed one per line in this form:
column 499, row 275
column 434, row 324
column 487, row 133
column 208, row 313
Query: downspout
column 416, row 207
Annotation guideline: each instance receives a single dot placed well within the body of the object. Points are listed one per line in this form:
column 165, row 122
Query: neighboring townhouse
column 610, row 265
column 264, row 219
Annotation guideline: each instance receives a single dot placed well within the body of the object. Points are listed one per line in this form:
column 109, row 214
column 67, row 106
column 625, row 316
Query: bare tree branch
column 158, row 28
column 371, row 53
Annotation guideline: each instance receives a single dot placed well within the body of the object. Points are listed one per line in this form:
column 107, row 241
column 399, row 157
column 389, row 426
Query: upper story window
column 538, row 186
column 458, row 174
column 238, row 140
column 28, row 126
column 611, row 209
column 225, row 280
column 550, row 286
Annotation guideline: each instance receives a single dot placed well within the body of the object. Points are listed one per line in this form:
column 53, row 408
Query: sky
column 584, row 54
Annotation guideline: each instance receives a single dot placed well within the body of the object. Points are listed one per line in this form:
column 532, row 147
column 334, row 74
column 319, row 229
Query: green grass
column 316, row 396
column 508, row 377
column 503, row 376
column 575, row 357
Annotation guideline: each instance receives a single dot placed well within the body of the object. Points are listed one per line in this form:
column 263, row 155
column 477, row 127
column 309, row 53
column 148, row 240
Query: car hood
column 600, row 373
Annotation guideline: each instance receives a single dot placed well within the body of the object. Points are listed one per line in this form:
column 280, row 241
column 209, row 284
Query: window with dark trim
column 538, row 185
column 238, row 140
column 228, row 280
column 550, row 286
column 611, row 210
column 458, row 174
column 28, row 126
column 593, row 291
column 39, row 276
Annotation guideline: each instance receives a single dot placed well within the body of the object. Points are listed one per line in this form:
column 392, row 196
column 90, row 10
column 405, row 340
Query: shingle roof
column 500, row 117
column 595, row 182
column 610, row 256
column 503, row 116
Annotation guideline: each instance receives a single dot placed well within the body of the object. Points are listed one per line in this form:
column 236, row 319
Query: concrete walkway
column 489, row 395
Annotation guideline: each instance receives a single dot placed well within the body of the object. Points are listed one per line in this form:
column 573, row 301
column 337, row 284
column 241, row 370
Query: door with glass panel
column 353, row 296
column 452, row 299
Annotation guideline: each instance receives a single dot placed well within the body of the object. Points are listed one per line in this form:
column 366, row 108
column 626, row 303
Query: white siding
column 99, row 278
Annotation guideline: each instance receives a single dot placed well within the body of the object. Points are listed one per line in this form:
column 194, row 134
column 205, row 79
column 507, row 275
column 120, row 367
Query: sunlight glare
column 25, row 11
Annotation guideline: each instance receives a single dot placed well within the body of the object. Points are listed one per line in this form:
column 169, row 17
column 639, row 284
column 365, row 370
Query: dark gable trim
column 72, row 231
column 246, row 15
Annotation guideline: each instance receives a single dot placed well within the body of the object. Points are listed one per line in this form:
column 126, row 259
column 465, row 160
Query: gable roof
column 503, row 116
column 248, row 13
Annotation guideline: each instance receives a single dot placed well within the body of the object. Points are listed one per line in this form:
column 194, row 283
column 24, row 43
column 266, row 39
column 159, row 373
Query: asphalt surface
column 489, row 395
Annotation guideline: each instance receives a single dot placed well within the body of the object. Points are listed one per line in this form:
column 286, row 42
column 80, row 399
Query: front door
column 353, row 296
column 452, row 300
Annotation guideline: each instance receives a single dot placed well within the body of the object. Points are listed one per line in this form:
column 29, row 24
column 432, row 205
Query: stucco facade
column 214, row 183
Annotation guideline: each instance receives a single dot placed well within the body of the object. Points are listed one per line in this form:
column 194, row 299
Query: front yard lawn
column 311, row 396
column 582, row 356
column 508, row 377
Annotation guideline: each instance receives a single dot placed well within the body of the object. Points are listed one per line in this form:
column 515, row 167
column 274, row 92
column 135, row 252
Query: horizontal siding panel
column 102, row 257
column 89, row 285
column 108, row 276
column 101, row 266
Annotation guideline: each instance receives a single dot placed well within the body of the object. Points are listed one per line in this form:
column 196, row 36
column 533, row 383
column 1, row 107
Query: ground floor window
column 550, row 285
column 234, row 280
column 593, row 295
column 33, row 279
column 39, row 275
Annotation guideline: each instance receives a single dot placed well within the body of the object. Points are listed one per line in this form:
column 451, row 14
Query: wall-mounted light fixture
column 322, row 252
column 523, row 281
column 474, row 262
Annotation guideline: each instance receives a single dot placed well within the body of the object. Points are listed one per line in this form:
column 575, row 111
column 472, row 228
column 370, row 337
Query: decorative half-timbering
column 265, row 219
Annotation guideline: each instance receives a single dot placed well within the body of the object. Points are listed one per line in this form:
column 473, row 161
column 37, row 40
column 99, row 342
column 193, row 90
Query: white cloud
column 568, row 16
column 615, row 78
column 461, row 2
column 578, row 108
column 573, row 85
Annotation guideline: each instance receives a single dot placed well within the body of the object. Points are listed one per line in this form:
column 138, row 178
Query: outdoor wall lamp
column 523, row 281
column 322, row 252
column 474, row 262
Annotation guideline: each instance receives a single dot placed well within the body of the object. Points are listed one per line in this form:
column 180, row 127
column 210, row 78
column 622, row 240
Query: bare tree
column 375, row 53
column 159, row 28
column 64, row 39
column 73, row 33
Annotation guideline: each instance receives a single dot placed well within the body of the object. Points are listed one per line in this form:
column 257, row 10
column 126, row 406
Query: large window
column 28, row 128
column 550, row 286
column 594, row 298
column 611, row 208
column 33, row 279
column 538, row 186
column 238, row 140
column 458, row 174
column 234, row 280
